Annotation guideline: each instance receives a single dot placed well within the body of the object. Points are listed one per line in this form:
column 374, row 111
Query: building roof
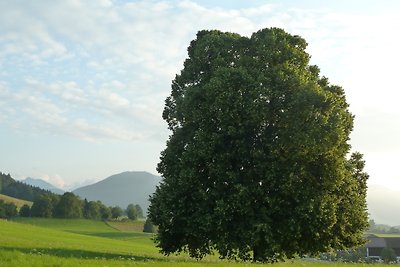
column 382, row 242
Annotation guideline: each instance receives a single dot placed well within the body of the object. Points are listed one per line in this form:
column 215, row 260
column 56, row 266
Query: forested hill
column 13, row 188
column 43, row 185
column 122, row 189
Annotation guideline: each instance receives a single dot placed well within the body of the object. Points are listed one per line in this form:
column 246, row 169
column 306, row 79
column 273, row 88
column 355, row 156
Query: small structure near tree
column 384, row 248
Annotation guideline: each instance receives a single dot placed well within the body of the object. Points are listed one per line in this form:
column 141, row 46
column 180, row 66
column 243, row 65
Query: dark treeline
column 13, row 188
column 70, row 206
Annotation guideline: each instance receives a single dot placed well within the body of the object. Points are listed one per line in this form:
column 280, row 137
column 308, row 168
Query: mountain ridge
column 122, row 189
column 43, row 185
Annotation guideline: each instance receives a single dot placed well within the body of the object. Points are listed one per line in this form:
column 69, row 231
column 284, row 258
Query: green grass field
column 134, row 226
column 59, row 242
column 18, row 202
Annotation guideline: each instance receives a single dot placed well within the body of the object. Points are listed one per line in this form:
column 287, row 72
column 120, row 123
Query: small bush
column 149, row 227
column 25, row 211
column 388, row 255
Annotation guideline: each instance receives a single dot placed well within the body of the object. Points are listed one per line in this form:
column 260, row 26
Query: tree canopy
column 116, row 212
column 256, row 165
column 69, row 206
column 7, row 209
column 131, row 212
column 44, row 205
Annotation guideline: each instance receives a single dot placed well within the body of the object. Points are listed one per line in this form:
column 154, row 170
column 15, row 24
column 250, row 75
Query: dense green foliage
column 91, row 210
column 139, row 211
column 13, row 188
column 256, row 165
column 116, row 212
column 69, row 206
column 131, row 212
column 7, row 209
column 44, row 205
column 25, row 211
column 149, row 227
column 105, row 211
column 388, row 255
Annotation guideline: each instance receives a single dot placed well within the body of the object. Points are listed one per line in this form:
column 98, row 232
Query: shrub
column 388, row 255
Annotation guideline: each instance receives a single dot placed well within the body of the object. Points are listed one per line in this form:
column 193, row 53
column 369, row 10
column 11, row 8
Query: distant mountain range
column 122, row 189
column 43, row 185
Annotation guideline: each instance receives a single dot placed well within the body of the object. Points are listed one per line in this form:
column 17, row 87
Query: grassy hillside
column 136, row 226
column 89, row 227
column 29, row 245
column 18, row 202
column 62, row 243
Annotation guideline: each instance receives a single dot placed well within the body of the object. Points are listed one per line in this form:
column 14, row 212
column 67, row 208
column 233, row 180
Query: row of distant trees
column 71, row 206
column 382, row 228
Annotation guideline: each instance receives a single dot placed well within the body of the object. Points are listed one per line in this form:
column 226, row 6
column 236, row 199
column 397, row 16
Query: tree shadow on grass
column 112, row 235
column 80, row 254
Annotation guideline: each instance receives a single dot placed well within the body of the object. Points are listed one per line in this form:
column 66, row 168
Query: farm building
column 376, row 244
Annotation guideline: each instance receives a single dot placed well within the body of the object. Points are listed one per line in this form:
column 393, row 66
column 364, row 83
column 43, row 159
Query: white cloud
column 63, row 108
column 259, row 11
column 113, row 100
column 95, row 132
column 100, row 70
column 110, row 64
column 56, row 180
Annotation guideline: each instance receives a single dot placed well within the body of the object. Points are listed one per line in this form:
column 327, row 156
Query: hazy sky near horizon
column 83, row 83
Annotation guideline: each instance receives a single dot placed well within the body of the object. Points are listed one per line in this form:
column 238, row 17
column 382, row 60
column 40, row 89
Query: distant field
column 134, row 226
column 18, row 202
column 85, row 227
column 387, row 235
column 58, row 242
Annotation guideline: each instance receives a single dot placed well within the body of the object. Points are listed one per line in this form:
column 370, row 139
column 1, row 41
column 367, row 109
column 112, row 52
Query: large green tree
column 7, row 209
column 91, row 210
column 43, row 205
column 70, row 206
column 25, row 211
column 256, row 166
column 116, row 212
column 131, row 212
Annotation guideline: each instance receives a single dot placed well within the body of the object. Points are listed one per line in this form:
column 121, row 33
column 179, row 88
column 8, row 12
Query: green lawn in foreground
column 85, row 227
column 23, row 244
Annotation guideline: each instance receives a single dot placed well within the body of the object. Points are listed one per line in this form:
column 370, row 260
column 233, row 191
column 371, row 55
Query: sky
column 83, row 83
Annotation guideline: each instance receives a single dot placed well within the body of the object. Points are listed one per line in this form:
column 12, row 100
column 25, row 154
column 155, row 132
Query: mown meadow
column 62, row 242
column 18, row 202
